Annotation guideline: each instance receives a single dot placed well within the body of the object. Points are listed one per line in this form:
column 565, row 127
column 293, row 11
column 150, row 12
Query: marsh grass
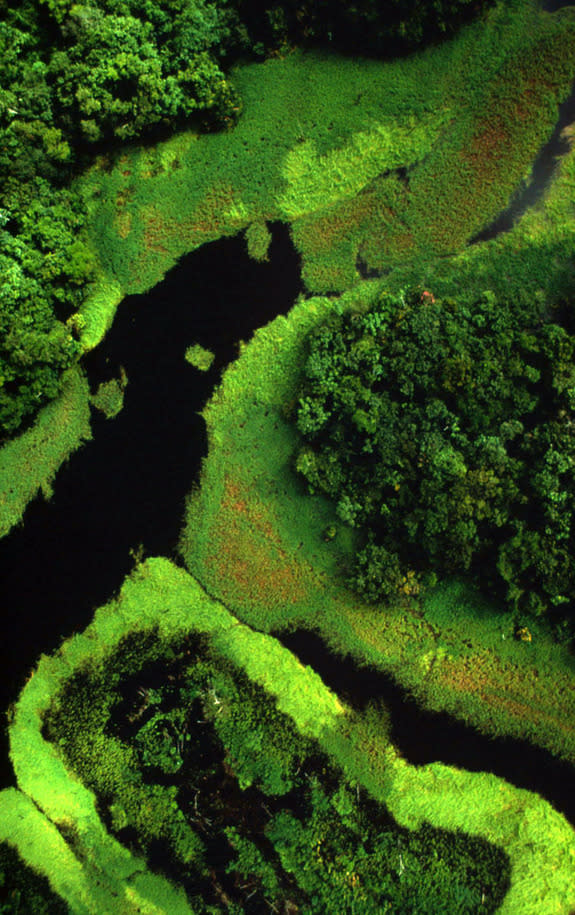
column 24, row 828
column 54, row 817
column 29, row 463
column 391, row 165
column 398, row 164
column 389, row 161
column 256, row 540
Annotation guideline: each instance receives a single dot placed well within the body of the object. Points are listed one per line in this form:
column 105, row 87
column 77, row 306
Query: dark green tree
column 445, row 432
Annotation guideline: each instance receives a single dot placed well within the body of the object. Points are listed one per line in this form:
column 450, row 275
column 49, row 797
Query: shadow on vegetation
column 424, row 737
column 127, row 487
column 551, row 6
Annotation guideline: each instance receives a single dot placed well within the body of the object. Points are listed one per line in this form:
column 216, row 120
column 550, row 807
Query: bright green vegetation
column 260, row 543
column 73, row 76
column 442, row 430
column 497, row 86
column 172, row 758
column 207, row 722
column 253, row 537
column 28, row 464
column 258, row 238
column 111, row 711
column 199, row 357
column 157, row 203
column 343, row 149
column 350, row 151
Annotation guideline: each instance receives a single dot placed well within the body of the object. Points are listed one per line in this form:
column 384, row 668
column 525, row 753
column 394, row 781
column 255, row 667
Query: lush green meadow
column 387, row 166
column 256, row 539
column 398, row 163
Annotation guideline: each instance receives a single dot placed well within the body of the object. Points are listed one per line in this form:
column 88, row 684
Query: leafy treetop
column 445, row 432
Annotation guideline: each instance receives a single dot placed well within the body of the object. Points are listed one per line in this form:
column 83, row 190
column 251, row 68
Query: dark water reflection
column 424, row 737
column 551, row 6
column 127, row 487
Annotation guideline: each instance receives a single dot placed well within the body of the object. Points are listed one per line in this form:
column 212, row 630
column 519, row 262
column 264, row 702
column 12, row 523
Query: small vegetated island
column 391, row 465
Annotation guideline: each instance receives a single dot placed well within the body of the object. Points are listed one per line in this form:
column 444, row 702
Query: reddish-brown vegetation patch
column 209, row 215
column 124, row 224
column 247, row 555
column 320, row 233
column 155, row 230
column 507, row 689
column 400, row 244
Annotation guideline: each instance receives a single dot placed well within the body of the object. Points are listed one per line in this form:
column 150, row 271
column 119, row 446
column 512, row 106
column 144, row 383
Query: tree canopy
column 445, row 432
column 71, row 76
column 378, row 27
column 75, row 76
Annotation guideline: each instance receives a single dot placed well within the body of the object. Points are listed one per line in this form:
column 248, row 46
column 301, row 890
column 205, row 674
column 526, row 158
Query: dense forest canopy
column 76, row 76
column 444, row 431
column 72, row 76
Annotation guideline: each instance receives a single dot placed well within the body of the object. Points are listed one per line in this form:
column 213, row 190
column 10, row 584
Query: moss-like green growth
column 258, row 238
column 201, row 358
column 29, row 463
column 256, row 539
column 241, row 768
column 382, row 166
column 22, row 890
column 377, row 165
column 109, row 398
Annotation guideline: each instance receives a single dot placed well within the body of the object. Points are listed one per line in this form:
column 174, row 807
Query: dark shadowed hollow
column 127, row 487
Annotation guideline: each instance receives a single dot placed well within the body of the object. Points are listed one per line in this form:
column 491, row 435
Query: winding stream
column 424, row 737
column 542, row 172
column 127, row 487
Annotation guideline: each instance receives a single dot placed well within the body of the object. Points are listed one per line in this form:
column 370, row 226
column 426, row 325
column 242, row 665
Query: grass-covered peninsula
column 364, row 479
column 109, row 730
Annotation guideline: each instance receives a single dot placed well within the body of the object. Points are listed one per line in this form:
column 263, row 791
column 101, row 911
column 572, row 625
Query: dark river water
column 545, row 164
column 128, row 487
column 542, row 173
column 423, row 737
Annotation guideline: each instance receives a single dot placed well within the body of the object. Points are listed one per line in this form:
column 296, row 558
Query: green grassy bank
column 399, row 162
column 54, row 816
column 255, row 539
column 29, row 463
column 392, row 164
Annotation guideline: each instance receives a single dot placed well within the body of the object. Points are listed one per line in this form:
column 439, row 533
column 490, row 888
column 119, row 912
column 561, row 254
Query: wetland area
column 204, row 713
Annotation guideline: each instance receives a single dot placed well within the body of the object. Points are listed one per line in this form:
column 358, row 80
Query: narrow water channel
column 424, row 737
column 127, row 487
column 542, row 173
